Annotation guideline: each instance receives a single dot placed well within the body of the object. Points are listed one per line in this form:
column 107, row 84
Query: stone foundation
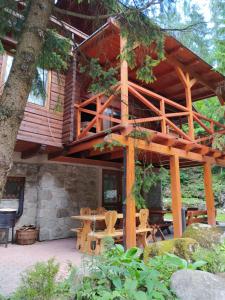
column 53, row 193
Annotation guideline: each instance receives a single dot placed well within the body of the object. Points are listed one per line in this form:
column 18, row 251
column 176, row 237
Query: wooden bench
column 98, row 237
column 196, row 216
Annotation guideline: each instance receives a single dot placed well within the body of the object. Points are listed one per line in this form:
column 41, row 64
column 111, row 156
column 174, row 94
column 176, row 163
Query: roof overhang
column 105, row 45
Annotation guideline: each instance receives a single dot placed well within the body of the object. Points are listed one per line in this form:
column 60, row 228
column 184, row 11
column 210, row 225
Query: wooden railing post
column 98, row 120
column 209, row 194
column 130, row 201
column 163, row 122
column 124, row 84
column 176, row 195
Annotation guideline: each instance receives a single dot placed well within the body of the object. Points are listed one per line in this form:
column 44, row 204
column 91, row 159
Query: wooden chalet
column 72, row 121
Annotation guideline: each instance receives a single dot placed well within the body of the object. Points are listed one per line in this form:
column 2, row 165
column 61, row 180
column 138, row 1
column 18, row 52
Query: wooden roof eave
column 97, row 40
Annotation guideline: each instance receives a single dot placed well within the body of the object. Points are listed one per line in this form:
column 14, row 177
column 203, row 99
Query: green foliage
column 103, row 78
column 214, row 258
column 140, row 134
column 169, row 263
column 145, row 73
column 40, row 283
column 146, row 177
column 110, row 145
column 56, row 51
column 121, row 275
column 183, row 247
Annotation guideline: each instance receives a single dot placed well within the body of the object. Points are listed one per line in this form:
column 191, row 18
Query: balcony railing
column 102, row 112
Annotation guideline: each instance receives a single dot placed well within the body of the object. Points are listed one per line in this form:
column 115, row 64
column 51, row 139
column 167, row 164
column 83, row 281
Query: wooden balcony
column 147, row 112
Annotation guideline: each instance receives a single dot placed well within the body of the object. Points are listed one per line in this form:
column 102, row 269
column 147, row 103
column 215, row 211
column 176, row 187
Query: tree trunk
column 19, row 83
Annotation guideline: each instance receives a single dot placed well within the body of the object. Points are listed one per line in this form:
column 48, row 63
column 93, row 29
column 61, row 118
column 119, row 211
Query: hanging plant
column 146, row 177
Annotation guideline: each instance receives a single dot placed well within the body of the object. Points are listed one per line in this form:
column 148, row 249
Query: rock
column 206, row 235
column 197, row 285
column 183, row 247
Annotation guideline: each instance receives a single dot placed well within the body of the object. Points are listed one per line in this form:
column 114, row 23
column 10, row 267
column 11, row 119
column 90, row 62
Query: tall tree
column 16, row 90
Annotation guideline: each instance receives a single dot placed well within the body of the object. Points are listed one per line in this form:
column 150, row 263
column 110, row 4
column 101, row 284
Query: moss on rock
column 206, row 235
column 183, row 247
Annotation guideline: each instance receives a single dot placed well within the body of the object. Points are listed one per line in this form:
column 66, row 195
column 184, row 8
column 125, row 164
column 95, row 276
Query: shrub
column 119, row 274
column 183, row 247
column 167, row 264
column 207, row 236
column 40, row 283
column 215, row 258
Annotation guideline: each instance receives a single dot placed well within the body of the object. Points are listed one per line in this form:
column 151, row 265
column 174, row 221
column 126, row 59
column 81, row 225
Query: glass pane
column 39, row 100
column 13, row 187
column 110, row 188
column 9, row 61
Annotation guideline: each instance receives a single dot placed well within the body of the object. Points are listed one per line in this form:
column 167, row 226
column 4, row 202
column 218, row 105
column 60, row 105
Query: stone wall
column 53, row 193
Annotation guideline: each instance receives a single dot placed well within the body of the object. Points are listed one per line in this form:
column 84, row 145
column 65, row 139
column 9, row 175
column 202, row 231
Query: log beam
column 176, row 195
column 210, row 204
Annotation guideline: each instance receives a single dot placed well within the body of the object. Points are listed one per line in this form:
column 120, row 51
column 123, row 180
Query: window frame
column 46, row 105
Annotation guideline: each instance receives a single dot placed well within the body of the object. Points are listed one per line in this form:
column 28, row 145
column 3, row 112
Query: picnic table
column 88, row 226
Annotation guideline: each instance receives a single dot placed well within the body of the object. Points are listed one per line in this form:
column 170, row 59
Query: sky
column 204, row 6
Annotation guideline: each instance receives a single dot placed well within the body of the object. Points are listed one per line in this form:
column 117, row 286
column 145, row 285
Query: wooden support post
column 124, row 85
column 78, row 120
column 130, row 201
column 176, row 195
column 187, row 83
column 189, row 106
column 209, row 194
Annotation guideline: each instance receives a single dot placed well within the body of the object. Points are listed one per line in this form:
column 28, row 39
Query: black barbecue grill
column 8, row 218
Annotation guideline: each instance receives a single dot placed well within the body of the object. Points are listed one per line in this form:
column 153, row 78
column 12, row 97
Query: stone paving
column 15, row 259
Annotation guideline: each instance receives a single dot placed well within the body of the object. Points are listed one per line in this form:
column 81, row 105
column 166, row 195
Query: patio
column 16, row 259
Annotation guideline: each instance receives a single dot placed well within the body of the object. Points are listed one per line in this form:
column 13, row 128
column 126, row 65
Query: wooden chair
column 144, row 228
column 83, row 212
column 101, row 210
column 98, row 236
column 100, row 225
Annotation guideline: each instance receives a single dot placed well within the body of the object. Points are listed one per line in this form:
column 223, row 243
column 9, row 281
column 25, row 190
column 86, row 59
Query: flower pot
column 26, row 236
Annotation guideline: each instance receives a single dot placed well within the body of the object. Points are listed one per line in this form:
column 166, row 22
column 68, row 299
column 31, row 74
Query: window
column 13, row 187
column 43, row 75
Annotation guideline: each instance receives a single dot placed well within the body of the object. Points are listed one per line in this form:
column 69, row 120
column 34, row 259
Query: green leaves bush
column 214, row 258
column 40, row 283
column 121, row 275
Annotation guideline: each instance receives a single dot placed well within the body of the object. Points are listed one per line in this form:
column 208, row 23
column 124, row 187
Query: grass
column 220, row 217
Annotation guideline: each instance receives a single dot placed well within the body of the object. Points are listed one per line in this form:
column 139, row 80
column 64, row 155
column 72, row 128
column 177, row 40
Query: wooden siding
column 44, row 125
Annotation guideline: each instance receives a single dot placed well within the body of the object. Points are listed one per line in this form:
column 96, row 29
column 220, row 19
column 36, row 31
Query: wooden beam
column 165, row 150
column 209, row 194
column 130, row 201
column 86, row 161
column 124, row 83
column 176, row 195
column 39, row 149
column 186, row 68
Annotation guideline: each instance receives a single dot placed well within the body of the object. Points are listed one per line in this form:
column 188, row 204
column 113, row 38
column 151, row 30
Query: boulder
column 183, row 247
column 197, row 285
column 206, row 235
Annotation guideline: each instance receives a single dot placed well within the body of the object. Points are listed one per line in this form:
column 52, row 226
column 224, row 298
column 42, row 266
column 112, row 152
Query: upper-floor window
column 34, row 97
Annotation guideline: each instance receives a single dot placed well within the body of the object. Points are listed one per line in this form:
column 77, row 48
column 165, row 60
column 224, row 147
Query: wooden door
column 112, row 190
